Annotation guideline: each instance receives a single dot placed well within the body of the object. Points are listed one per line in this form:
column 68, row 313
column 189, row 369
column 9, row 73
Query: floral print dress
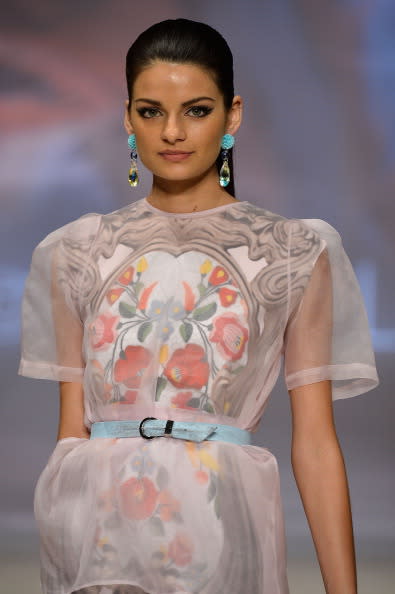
column 184, row 317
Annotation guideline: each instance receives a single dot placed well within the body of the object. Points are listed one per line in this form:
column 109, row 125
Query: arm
column 320, row 476
column 71, row 411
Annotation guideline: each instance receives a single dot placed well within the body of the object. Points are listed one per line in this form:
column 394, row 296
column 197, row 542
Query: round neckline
column 191, row 214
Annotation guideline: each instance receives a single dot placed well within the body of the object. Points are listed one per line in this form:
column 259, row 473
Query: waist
column 150, row 427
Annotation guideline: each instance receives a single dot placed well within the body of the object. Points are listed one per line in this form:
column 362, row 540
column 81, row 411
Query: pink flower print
column 113, row 295
column 188, row 367
column 181, row 549
column 127, row 276
column 181, row 399
column 138, row 498
column 129, row 397
column 227, row 297
column 218, row 276
column 230, row 335
column 131, row 366
column 102, row 331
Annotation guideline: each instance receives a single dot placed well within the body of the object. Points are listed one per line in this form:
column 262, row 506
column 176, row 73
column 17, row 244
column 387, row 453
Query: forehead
column 174, row 81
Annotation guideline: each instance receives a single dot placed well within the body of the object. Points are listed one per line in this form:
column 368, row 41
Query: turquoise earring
column 224, row 175
column 133, row 172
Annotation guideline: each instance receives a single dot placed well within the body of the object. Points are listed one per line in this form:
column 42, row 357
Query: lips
column 175, row 155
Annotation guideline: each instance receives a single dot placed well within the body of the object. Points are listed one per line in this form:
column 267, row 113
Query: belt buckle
column 168, row 428
column 141, row 428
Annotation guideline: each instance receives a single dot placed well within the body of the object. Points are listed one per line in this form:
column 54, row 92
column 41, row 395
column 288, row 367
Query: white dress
column 183, row 317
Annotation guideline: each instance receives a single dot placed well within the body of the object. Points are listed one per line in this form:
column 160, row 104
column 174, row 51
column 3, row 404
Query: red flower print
column 189, row 300
column 138, row 498
column 102, row 331
column 180, row 549
column 145, row 296
column 168, row 505
column 230, row 335
column 188, row 368
column 130, row 369
column 129, row 397
column 181, row 399
column 201, row 476
column 113, row 295
column 227, row 296
column 127, row 276
column 218, row 276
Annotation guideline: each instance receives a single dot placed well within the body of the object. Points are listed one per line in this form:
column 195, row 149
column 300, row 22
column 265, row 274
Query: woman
column 165, row 323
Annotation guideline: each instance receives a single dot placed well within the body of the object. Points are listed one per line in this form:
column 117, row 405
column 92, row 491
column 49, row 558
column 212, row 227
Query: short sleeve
column 327, row 335
column 52, row 324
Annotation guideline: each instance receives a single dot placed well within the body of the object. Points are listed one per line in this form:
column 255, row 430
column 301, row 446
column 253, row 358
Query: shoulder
column 298, row 235
column 82, row 229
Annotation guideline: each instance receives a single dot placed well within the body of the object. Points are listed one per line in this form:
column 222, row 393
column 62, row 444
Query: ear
column 235, row 115
column 126, row 120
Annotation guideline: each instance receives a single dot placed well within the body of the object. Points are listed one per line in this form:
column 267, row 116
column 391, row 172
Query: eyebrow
column 159, row 104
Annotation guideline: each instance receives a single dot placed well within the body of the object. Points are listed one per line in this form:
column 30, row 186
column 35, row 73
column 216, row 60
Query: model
column 165, row 323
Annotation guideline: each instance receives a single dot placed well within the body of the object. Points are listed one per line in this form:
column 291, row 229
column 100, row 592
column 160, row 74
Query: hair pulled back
column 186, row 42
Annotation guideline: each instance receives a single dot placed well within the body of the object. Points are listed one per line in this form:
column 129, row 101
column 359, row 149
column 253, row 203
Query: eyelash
column 204, row 108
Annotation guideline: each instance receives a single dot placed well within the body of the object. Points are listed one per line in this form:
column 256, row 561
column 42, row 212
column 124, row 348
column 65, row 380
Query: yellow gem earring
column 224, row 175
column 133, row 172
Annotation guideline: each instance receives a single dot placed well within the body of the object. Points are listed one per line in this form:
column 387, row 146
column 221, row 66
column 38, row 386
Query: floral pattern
column 206, row 313
column 145, row 496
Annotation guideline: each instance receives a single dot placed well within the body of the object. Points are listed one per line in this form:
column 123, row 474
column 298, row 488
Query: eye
column 200, row 111
column 148, row 112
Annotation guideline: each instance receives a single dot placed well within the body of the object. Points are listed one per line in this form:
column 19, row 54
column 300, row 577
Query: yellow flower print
column 208, row 460
column 142, row 265
column 163, row 354
column 206, row 267
column 199, row 454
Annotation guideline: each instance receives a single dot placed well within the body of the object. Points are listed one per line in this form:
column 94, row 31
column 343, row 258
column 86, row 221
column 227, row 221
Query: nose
column 173, row 130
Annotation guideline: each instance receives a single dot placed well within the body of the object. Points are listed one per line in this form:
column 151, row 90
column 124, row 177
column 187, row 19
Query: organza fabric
column 187, row 317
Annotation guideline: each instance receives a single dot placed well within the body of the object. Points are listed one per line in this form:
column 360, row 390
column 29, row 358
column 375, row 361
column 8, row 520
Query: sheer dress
column 187, row 317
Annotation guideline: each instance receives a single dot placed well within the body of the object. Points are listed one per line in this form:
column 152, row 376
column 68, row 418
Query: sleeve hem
column 349, row 379
column 40, row 370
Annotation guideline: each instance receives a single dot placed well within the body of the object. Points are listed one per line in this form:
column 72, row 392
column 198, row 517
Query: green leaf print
column 144, row 330
column 160, row 384
column 216, row 507
column 186, row 330
column 156, row 526
column 212, row 489
column 177, row 517
column 138, row 286
column 208, row 407
column 126, row 310
column 162, row 478
column 202, row 289
column 205, row 312
column 194, row 402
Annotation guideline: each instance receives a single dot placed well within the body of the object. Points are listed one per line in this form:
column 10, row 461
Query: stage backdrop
column 317, row 141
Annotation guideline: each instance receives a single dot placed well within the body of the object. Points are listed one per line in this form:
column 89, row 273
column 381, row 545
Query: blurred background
column 317, row 141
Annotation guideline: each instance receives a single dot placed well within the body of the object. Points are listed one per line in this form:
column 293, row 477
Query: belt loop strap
column 169, row 426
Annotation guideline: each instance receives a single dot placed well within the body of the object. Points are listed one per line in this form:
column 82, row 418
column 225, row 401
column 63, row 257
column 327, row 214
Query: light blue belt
column 151, row 427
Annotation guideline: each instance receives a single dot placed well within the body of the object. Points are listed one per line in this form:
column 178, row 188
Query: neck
column 188, row 195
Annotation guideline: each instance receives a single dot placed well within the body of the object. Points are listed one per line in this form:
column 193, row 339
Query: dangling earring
column 133, row 172
column 224, row 175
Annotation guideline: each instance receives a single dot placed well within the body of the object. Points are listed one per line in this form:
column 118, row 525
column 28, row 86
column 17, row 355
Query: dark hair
column 191, row 42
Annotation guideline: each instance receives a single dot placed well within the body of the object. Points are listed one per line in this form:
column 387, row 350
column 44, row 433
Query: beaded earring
column 224, row 175
column 133, row 172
